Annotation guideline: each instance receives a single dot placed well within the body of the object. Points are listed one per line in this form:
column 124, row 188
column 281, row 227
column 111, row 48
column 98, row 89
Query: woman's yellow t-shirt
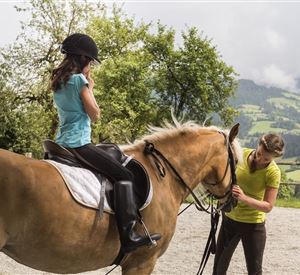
column 253, row 185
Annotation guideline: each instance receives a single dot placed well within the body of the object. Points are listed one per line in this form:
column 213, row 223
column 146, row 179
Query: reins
column 211, row 244
column 151, row 150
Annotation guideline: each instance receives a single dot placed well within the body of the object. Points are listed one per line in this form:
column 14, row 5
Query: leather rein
column 210, row 247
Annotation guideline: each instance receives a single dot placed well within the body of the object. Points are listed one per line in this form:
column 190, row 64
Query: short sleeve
column 273, row 176
column 80, row 81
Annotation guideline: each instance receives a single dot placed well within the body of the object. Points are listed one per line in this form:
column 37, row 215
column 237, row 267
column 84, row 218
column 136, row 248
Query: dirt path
column 282, row 254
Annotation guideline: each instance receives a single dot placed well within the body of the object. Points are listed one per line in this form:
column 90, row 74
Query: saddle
column 141, row 184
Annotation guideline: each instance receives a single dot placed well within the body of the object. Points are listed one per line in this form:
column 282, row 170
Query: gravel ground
column 282, row 253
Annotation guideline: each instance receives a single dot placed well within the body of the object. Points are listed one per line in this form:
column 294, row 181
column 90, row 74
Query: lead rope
column 210, row 247
column 185, row 208
column 111, row 269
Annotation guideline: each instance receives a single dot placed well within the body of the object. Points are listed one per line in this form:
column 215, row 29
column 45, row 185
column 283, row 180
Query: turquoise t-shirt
column 74, row 123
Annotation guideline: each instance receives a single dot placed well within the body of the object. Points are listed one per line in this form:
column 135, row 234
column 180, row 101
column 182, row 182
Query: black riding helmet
column 80, row 44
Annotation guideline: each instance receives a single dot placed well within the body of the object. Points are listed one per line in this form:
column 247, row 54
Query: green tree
column 192, row 79
column 123, row 81
column 141, row 77
column 144, row 76
column 20, row 131
column 27, row 64
column 285, row 191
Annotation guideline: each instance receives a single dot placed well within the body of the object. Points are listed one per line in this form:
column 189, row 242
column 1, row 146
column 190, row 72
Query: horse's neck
column 187, row 158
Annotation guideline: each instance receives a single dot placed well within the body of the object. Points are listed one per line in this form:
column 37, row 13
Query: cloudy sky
column 260, row 39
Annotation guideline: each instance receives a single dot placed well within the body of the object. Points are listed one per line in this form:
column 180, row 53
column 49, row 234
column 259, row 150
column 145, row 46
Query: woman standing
column 258, row 179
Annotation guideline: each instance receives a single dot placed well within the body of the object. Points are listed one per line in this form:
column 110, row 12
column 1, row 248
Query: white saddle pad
column 85, row 187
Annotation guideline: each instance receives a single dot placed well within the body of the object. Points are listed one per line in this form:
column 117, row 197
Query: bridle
column 231, row 164
column 157, row 155
column 215, row 212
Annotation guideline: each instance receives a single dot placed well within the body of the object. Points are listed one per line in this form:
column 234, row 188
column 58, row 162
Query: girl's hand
column 87, row 73
column 238, row 193
column 90, row 80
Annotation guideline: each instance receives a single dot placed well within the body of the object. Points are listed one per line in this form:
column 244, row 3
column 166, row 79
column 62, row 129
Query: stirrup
column 153, row 243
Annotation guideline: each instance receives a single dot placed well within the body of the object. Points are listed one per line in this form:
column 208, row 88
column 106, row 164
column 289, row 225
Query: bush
column 285, row 192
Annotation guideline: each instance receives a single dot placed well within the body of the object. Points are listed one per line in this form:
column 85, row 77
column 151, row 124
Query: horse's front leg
column 139, row 264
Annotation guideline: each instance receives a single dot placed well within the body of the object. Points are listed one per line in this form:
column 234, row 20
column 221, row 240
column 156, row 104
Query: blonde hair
column 273, row 143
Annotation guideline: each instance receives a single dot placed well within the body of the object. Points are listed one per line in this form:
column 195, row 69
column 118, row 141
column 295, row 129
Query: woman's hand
column 238, row 193
column 87, row 73
column 91, row 81
column 265, row 205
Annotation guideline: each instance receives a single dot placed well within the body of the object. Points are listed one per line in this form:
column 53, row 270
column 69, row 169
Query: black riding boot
column 126, row 216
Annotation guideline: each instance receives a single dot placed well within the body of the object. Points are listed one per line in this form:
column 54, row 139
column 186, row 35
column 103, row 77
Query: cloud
column 274, row 40
column 258, row 38
column 274, row 76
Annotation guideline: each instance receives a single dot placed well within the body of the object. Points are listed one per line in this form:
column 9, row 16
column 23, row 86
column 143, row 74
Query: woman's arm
column 90, row 105
column 265, row 205
column 89, row 102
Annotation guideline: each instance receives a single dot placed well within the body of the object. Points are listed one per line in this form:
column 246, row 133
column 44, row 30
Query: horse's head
column 193, row 154
column 220, row 175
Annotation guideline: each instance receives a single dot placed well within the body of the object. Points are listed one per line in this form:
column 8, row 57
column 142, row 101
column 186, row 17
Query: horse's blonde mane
column 169, row 130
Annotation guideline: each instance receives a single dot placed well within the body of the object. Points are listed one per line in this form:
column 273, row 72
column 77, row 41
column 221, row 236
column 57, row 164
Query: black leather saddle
column 141, row 184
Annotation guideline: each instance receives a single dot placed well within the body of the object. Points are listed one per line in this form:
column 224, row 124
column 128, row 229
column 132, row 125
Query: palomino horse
column 42, row 226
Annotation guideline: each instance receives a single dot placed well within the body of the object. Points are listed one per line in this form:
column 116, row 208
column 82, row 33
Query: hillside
column 263, row 110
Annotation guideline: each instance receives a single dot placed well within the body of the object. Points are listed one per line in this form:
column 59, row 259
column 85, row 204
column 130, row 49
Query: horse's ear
column 234, row 132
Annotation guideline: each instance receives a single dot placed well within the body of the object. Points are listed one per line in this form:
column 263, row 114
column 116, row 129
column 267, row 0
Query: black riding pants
column 104, row 163
column 253, row 238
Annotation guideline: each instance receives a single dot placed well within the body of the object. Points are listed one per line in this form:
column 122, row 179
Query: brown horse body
column 42, row 226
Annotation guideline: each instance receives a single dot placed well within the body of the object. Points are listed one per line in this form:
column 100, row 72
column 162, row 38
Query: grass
column 263, row 127
column 290, row 95
column 294, row 175
column 290, row 203
column 248, row 108
column 280, row 101
column 289, row 159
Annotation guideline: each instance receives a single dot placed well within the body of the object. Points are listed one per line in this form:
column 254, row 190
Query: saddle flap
column 54, row 149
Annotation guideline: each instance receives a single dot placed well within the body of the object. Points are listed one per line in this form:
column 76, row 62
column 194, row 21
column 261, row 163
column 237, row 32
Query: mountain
column 268, row 109
column 298, row 83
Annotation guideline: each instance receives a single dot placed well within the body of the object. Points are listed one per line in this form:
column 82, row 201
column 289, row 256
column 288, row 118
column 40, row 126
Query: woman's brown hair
column 72, row 64
column 273, row 143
